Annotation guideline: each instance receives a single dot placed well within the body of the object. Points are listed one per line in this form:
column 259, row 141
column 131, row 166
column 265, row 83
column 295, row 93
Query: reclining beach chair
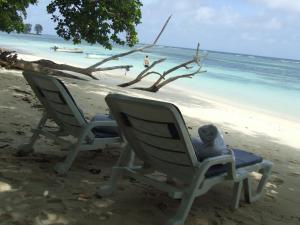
column 156, row 133
column 60, row 107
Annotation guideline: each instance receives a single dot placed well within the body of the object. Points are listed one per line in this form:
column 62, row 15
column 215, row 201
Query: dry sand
column 31, row 193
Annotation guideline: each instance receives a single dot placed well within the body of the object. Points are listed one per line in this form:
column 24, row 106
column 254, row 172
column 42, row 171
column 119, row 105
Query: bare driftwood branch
column 152, row 72
column 133, row 50
column 169, row 80
column 127, row 67
column 190, row 75
column 162, row 81
column 56, row 66
column 8, row 59
column 142, row 74
column 162, row 30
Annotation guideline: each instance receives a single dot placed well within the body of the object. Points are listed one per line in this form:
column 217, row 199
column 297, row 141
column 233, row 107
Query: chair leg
column 253, row 195
column 26, row 149
column 183, row 210
column 187, row 200
column 109, row 188
column 127, row 157
column 126, row 160
column 63, row 167
column 237, row 189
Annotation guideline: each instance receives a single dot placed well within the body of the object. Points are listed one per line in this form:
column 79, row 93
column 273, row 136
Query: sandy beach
column 31, row 193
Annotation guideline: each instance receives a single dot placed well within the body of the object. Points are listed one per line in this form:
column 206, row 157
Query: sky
column 257, row 27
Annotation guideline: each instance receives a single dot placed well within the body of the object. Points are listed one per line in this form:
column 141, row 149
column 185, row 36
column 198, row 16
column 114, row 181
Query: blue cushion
column 104, row 131
column 242, row 159
column 104, row 134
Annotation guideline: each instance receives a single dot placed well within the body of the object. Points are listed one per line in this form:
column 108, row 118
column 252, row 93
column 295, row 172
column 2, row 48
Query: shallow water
column 268, row 84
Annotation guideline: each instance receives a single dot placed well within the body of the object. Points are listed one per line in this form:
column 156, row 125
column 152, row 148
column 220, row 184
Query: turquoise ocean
column 268, row 84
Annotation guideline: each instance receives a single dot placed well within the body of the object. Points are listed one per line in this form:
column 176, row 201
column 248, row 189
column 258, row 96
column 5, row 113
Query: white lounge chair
column 60, row 106
column 157, row 135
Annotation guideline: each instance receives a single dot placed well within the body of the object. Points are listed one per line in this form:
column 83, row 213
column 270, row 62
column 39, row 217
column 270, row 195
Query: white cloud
column 288, row 5
column 273, row 24
column 229, row 16
column 271, row 40
column 205, row 15
column 222, row 16
column 181, row 6
column 150, row 2
column 249, row 36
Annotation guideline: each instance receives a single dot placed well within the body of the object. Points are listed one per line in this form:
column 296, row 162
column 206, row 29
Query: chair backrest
column 156, row 132
column 57, row 101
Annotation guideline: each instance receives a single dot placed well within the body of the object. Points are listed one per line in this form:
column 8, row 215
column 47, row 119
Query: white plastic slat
column 178, row 158
column 64, row 109
column 69, row 120
column 149, row 127
column 182, row 172
column 44, row 83
column 167, row 143
column 53, row 97
column 149, row 112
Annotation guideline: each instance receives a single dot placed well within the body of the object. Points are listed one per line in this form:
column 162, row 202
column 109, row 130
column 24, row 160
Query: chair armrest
column 205, row 165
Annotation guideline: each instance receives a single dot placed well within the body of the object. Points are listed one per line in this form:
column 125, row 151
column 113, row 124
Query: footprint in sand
column 294, row 174
column 3, row 146
column 277, row 181
column 6, row 140
column 213, row 222
column 275, row 172
column 293, row 161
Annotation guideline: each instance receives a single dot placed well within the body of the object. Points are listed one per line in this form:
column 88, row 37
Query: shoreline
column 242, row 118
column 224, row 101
column 284, row 109
column 174, row 86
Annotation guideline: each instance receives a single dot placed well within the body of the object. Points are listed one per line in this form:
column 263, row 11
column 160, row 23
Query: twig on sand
column 4, row 146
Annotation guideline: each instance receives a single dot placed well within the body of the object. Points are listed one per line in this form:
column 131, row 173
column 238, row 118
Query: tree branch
column 142, row 74
column 162, row 30
column 150, row 67
column 126, row 67
column 196, row 59
column 152, row 72
column 159, row 83
column 189, row 75
column 179, row 66
column 133, row 50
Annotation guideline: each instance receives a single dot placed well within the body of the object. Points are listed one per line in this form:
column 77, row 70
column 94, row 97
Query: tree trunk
column 56, row 66
column 31, row 66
